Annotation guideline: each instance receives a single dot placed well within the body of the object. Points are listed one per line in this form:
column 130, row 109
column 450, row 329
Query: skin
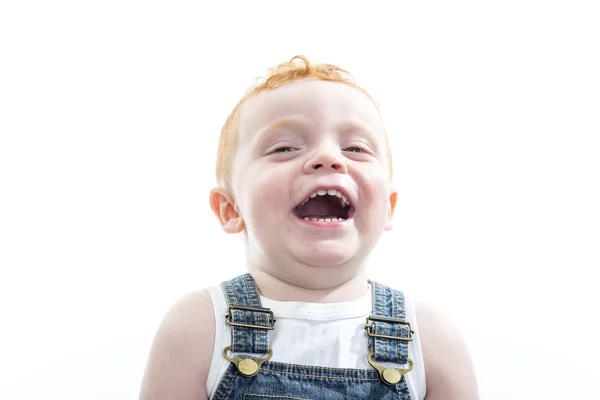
column 296, row 138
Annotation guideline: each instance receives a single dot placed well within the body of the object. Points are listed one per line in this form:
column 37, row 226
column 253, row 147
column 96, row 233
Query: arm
column 181, row 353
column 448, row 367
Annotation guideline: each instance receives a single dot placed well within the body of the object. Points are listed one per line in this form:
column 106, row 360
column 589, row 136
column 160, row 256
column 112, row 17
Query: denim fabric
column 389, row 303
column 298, row 382
column 242, row 291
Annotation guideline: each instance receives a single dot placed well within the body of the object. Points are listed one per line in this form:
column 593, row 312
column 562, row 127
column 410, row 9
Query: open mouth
column 325, row 205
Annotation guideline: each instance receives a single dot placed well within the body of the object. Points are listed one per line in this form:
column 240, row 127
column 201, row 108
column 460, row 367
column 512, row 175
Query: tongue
column 319, row 207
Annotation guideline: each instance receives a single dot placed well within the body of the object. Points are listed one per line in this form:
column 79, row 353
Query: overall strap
column 389, row 336
column 389, row 331
column 250, row 322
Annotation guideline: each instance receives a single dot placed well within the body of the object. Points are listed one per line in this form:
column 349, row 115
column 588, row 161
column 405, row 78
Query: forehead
column 323, row 103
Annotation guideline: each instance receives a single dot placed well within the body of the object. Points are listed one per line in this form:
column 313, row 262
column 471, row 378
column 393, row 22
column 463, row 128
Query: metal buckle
column 247, row 366
column 390, row 376
column 400, row 321
column 272, row 319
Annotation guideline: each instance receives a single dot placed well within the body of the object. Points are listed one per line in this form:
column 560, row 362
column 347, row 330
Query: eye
column 354, row 149
column 285, row 149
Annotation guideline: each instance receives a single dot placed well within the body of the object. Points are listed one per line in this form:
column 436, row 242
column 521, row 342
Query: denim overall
column 251, row 376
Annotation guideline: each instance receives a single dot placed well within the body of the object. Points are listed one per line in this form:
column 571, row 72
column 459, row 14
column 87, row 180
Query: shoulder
column 449, row 371
column 181, row 352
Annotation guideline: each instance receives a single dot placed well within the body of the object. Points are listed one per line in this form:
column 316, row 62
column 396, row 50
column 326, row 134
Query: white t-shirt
column 316, row 334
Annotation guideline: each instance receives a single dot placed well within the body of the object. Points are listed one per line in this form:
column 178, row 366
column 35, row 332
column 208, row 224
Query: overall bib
column 251, row 376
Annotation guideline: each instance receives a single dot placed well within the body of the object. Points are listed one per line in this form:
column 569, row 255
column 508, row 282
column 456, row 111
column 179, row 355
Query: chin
column 328, row 255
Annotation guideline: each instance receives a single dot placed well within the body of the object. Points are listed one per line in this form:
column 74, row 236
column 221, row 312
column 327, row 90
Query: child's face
column 298, row 138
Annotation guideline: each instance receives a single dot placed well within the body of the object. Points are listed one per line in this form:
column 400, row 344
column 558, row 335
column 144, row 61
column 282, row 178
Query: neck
column 332, row 290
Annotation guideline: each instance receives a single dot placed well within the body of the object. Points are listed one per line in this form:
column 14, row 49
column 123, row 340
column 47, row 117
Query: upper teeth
column 330, row 192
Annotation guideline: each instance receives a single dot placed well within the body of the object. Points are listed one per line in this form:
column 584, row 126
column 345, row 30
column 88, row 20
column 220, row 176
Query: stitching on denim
column 385, row 331
column 395, row 315
column 246, row 289
column 223, row 388
column 273, row 365
column 404, row 390
column 260, row 338
column 230, row 296
column 339, row 378
column 252, row 299
column 248, row 302
column 373, row 306
column 376, row 300
column 273, row 397
column 402, row 346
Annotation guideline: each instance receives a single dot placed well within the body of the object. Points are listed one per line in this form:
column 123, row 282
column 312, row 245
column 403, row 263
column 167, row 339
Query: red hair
column 280, row 75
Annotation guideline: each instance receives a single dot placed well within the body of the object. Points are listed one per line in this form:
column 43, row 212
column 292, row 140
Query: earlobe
column 392, row 207
column 223, row 206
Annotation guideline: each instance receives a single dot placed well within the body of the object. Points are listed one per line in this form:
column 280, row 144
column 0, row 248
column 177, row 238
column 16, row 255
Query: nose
column 325, row 160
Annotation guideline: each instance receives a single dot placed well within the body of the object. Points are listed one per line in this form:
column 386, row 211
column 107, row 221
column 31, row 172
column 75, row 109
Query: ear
column 223, row 205
column 392, row 206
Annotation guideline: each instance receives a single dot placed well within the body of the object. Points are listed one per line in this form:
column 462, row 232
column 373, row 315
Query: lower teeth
column 324, row 219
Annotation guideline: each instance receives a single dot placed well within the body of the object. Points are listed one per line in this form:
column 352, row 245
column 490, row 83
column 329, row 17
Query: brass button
column 391, row 376
column 247, row 367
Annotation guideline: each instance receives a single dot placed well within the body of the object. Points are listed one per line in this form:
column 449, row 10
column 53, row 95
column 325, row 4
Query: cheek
column 375, row 194
column 266, row 196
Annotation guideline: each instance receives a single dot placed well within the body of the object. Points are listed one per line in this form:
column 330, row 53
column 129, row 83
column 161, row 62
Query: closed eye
column 354, row 149
column 284, row 149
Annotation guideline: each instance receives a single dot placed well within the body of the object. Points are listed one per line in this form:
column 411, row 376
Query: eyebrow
column 289, row 122
column 353, row 125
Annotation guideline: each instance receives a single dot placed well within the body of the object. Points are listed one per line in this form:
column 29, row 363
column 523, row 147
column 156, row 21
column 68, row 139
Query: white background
column 109, row 118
